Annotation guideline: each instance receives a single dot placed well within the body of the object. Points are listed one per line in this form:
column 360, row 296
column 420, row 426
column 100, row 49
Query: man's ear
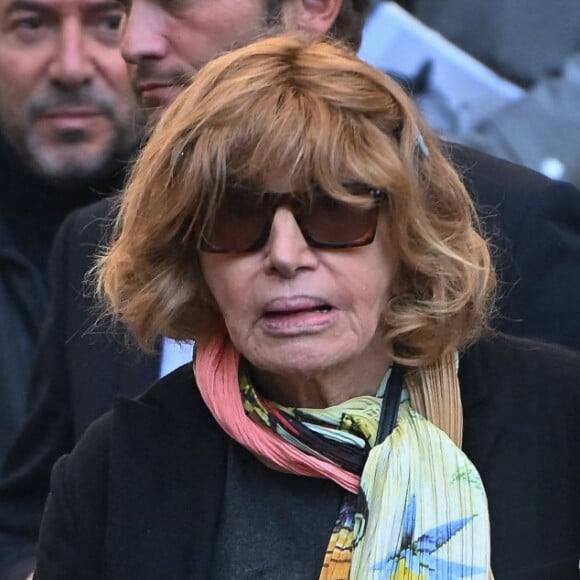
column 310, row 18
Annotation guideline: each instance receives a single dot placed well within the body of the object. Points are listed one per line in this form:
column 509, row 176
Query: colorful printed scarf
column 415, row 507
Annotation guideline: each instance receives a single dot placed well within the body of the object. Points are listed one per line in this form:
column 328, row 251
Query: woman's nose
column 286, row 250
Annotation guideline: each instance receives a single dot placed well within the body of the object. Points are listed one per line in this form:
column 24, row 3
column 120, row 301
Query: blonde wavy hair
column 313, row 113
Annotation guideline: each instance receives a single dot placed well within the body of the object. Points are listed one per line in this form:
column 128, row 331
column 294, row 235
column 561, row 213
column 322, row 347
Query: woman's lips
column 296, row 315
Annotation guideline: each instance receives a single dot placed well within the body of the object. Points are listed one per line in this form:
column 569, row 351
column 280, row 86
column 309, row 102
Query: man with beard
column 78, row 370
column 68, row 122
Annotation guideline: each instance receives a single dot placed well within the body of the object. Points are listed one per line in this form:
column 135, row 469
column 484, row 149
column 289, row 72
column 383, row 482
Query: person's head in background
column 168, row 41
column 66, row 104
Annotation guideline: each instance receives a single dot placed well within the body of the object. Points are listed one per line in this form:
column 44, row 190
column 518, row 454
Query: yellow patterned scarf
column 420, row 512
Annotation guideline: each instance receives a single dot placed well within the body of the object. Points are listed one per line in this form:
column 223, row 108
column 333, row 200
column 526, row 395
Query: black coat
column 78, row 372
column 80, row 366
column 31, row 211
column 141, row 495
column 22, row 302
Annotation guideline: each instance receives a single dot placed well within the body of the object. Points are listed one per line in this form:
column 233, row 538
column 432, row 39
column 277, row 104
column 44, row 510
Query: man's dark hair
column 348, row 25
column 350, row 21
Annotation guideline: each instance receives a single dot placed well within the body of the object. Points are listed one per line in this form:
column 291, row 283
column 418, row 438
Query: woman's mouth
column 297, row 315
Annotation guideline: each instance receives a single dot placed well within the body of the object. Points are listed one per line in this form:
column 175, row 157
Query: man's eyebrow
column 35, row 6
column 26, row 5
column 104, row 6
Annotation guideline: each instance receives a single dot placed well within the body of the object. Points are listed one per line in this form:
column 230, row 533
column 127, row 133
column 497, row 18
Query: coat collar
column 481, row 381
column 136, row 375
column 474, row 391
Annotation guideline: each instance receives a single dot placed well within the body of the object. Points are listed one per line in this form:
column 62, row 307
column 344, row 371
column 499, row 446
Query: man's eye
column 106, row 27
column 112, row 21
column 29, row 28
column 28, row 23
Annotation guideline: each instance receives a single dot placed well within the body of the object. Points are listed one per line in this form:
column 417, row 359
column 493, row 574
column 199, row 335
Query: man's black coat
column 533, row 222
column 31, row 210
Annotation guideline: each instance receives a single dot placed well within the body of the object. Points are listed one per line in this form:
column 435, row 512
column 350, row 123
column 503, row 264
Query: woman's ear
column 310, row 18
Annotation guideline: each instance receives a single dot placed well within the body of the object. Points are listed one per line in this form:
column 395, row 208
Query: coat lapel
column 138, row 373
column 484, row 414
column 164, row 526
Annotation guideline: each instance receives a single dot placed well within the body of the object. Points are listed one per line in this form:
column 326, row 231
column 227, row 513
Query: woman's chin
column 295, row 355
column 308, row 356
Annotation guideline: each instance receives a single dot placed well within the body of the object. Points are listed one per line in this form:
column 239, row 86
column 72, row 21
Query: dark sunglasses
column 243, row 219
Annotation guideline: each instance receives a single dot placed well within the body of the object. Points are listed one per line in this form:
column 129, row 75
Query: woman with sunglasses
column 346, row 414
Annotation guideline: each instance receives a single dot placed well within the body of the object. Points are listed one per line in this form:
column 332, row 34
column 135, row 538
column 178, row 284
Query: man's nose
column 142, row 37
column 73, row 64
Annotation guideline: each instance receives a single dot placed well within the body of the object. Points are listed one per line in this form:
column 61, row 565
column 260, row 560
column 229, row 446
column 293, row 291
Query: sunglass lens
column 239, row 224
column 332, row 223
